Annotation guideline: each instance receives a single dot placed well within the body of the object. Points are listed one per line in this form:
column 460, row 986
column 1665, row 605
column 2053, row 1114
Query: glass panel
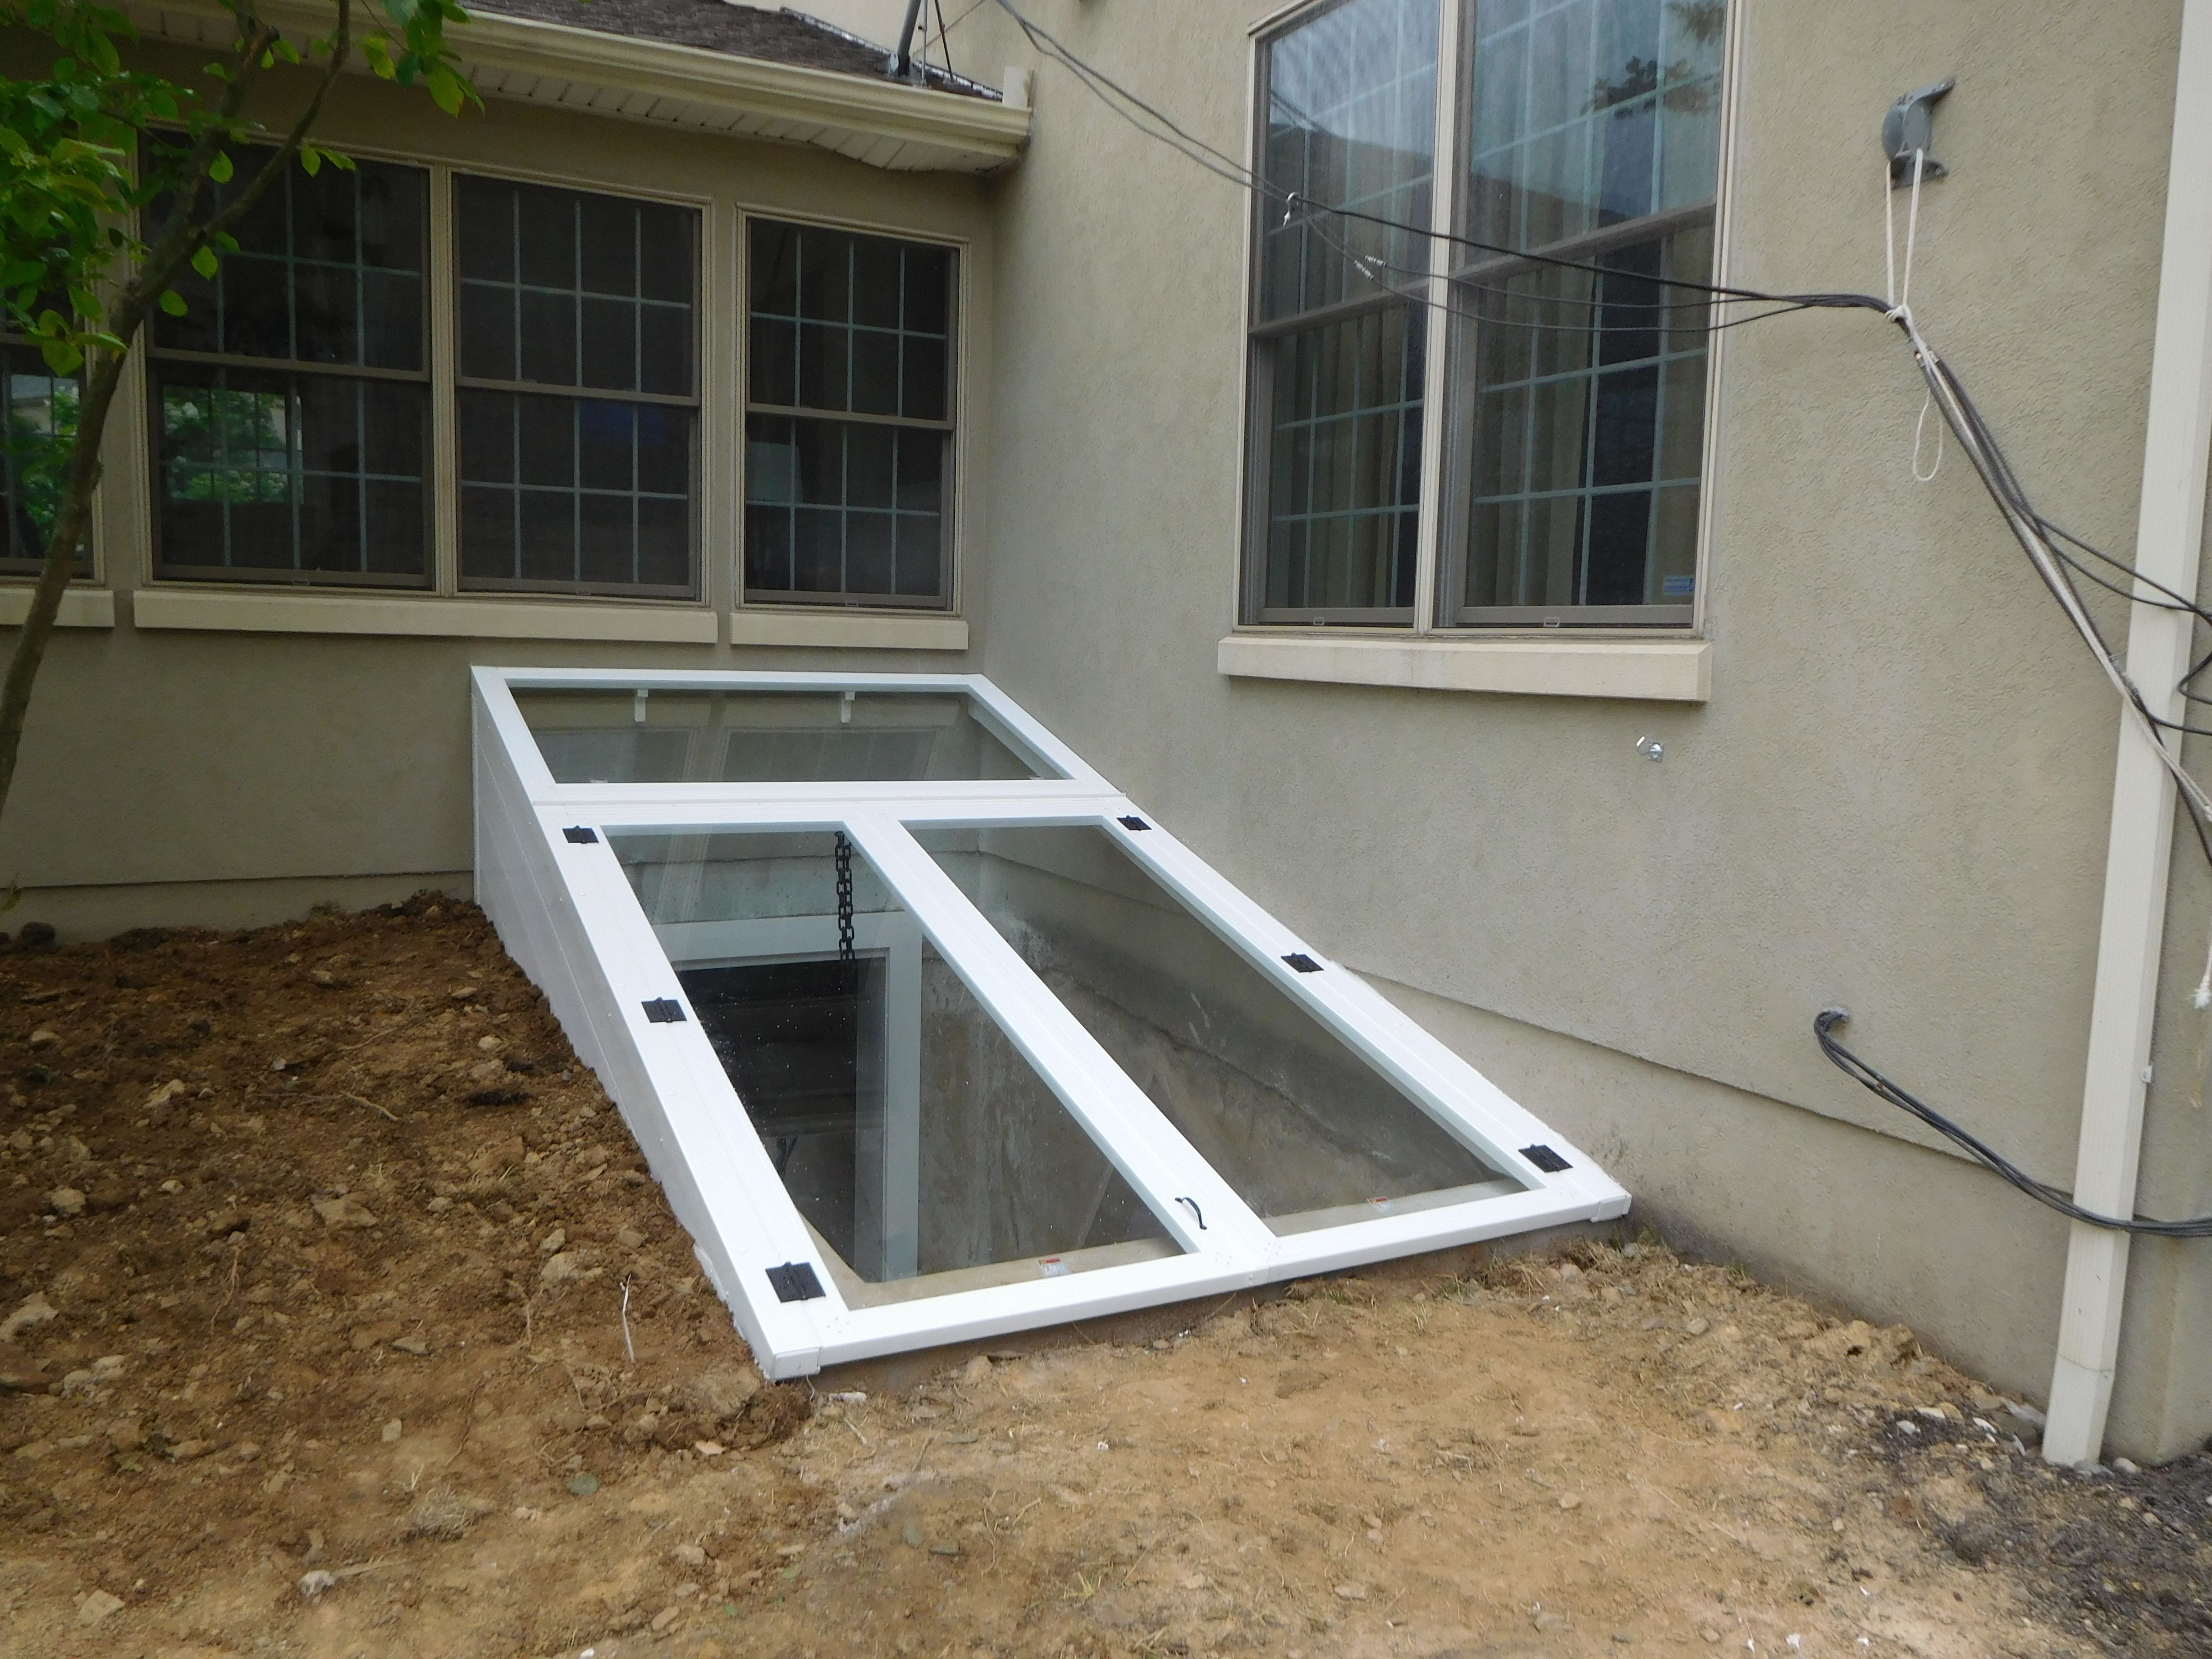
column 1591, row 112
column 286, row 472
column 925, row 1154
column 844, row 508
column 1307, row 1132
column 604, row 497
column 569, row 288
column 1345, row 471
column 329, row 269
column 772, row 737
column 41, row 417
column 1587, row 390
column 876, row 318
column 1351, row 116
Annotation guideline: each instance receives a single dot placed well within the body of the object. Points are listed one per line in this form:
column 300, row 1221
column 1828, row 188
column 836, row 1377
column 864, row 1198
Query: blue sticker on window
column 1678, row 587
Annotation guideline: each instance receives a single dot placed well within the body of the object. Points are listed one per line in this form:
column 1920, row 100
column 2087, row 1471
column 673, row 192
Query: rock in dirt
column 66, row 1202
column 977, row 1370
column 43, row 1038
column 414, row 1344
column 124, row 1436
column 314, row 1583
column 560, row 1268
column 34, row 1309
column 344, row 1211
column 97, row 1607
column 393, row 1430
column 583, row 1485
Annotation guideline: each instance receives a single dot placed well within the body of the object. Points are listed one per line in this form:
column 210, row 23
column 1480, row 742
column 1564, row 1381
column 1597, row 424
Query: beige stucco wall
column 1896, row 797
column 172, row 774
column 1895, row 800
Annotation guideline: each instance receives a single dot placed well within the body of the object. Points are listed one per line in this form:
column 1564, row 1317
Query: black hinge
column 1302, row 962
column 795, row 1281
column 665, row 1011
column 582, row 836
column 1545, row 1159
column 1131, row 821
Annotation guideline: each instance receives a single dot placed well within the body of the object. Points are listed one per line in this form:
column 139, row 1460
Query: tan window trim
column 424, row 615
column 82, row 607
column 1641, row 669
column 780, row 624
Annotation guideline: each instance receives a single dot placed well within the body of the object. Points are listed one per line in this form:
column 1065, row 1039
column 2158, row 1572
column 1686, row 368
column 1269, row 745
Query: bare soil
column 338, row 1316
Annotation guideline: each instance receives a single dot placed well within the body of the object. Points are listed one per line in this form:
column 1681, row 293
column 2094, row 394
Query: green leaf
column 220, row 170
column 61, row 357
column 311, row 160
column 446, row 88
column 204, row 262
column 173, row 302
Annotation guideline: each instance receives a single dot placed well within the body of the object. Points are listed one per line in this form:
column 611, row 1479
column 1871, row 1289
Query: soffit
column 881, row 124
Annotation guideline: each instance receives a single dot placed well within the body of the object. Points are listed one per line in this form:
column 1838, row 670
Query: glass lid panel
column 923, row 1150
column 1302, row 1128
column 744, row 735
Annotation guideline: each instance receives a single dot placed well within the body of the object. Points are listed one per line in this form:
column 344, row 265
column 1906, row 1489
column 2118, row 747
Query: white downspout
column 2169, row 533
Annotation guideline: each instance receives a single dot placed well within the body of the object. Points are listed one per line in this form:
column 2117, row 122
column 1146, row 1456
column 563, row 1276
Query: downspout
column 901, row 64
column 2169, row 534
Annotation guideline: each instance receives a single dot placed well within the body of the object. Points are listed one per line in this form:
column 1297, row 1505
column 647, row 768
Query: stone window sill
column 1641, row 669
column 82, row 607
column 424, row 615
column 773, row 624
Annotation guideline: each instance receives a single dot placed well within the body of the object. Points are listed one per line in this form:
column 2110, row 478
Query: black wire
column 942, row 45
column 1824, row 1027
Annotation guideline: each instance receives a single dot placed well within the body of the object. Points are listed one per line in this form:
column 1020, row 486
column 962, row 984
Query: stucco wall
column 256, row 773
column 1896, row 798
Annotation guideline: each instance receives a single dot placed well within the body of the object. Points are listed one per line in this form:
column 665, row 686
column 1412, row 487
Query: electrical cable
column 1824, row 1027
column 2039, row 537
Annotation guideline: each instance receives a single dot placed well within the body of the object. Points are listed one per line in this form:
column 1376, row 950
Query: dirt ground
column 338, row 1316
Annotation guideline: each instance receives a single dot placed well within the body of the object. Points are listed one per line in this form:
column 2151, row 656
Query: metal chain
column 844, row 898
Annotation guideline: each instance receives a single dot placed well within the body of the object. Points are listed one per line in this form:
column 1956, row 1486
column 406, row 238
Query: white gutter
column 2169, row 534
column 901, row 127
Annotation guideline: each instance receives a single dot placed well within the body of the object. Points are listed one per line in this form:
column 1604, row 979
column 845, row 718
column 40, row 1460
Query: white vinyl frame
column 566, row 912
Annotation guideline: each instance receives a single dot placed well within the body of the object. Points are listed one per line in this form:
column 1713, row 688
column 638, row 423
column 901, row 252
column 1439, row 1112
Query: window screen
column 289, row 402
column 848, row 428
column 579, row 391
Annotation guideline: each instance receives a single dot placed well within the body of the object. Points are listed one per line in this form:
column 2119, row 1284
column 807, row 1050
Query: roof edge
column 975, row 135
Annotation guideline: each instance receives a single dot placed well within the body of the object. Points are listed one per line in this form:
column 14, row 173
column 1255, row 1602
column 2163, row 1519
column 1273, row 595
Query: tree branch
column 184, row 236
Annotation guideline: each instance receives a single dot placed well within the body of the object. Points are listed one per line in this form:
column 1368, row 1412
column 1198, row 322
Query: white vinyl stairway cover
column 931, row 1034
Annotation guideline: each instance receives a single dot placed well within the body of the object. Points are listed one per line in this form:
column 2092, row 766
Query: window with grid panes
column 579, row 391
column 290, row 402
column 1573, row 406
column 848, row 419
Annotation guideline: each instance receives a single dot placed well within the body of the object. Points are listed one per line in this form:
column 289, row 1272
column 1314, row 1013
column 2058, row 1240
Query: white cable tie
column 1919, row 429
column 1911, row 233
column 1889, row 236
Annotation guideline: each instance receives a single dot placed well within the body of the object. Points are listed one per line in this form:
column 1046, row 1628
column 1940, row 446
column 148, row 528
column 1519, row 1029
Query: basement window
column 946, row 1037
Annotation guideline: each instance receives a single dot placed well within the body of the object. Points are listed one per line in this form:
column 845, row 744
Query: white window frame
column 567, row 913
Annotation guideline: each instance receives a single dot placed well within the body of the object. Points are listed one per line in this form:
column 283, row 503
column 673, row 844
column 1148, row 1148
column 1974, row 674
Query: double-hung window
column 579, row 391
column 290, row 401
column 1565, row 242
column 848, row 421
